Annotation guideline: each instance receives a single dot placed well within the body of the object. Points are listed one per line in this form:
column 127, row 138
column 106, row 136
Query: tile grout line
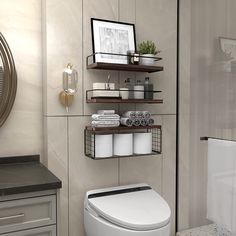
column 162, row 162
column 118, row 166
column 48, row 116
column 135, row 21
column 118, row 73
column 68, row 173
column 82, row 74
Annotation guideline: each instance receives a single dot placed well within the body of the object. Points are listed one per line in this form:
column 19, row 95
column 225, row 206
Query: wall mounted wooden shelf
column 124, row 67
column 114, row 157
column 90, row 135
column 92, row 64
column 120, row 128
column 114, row 100
column 91, row 99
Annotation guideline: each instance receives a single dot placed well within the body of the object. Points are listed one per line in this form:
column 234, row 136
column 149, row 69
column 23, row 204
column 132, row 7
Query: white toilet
column 131, row 210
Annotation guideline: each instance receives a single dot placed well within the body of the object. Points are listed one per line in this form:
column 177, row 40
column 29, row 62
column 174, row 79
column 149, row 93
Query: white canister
column 139, row 94
column 147, row 59
column 101, row 90
column 142, row 143
column 123, row 144
column 124, row 93
column 103, row 145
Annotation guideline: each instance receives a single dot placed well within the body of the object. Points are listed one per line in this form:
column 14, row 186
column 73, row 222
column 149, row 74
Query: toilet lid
column 142, row 209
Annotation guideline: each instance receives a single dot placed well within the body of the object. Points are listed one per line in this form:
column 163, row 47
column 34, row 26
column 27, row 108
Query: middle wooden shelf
column 94, row 99
column 117, row 100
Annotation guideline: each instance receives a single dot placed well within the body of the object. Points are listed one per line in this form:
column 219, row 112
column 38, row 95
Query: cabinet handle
column 14, row 217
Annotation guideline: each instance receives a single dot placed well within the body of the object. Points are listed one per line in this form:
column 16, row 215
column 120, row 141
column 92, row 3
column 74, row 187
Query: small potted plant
column 147, row 49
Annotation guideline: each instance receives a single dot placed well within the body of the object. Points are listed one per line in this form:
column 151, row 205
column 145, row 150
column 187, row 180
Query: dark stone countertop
column 24, row 174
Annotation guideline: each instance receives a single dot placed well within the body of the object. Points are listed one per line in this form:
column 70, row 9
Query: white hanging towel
column 221, row 186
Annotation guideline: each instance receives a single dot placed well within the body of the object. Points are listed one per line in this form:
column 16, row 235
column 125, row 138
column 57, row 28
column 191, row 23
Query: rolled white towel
column 126, row 121
column 130, row 114
column 106, row 112
column 105, row 117
column 146, row 114
column 150, row 121
column 136, row 122
column 143, row 122
column 139, row 114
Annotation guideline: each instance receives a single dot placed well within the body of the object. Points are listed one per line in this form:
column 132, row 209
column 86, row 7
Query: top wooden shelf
column 124, row 67
column 92, row 64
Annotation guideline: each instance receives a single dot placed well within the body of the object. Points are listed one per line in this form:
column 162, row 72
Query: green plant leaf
column 148, row 47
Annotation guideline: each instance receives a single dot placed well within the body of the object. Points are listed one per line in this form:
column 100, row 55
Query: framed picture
column 111, row 38
column 228, row 46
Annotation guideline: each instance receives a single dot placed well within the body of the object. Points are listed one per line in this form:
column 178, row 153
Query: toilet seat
column 137, row 207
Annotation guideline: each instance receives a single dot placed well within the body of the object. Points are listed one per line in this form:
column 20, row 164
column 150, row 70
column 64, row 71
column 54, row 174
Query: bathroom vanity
column 28, row 197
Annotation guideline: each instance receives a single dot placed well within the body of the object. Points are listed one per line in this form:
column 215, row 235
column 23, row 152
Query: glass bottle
column 130, row 87
column 148, row 89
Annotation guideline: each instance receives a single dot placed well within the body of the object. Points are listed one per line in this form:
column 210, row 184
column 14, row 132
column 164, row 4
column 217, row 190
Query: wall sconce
column 69, row 81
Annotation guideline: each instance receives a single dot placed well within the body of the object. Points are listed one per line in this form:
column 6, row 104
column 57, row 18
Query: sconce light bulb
column 69, row 65
column 70, row 80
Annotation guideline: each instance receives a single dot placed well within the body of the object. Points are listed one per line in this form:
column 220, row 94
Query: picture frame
column 228, row 46
column 111, row 40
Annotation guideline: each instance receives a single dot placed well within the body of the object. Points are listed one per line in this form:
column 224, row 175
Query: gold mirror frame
column 9, row 84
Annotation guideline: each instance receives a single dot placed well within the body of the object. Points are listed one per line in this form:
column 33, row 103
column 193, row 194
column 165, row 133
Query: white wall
column 184, row 113
column 67, row 38
column 208, row 109
column 20, row 23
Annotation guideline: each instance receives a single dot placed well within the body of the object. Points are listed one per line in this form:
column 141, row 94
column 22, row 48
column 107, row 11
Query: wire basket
column 91, row 132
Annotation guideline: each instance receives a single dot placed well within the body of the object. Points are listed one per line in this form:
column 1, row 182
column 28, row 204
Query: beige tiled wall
column 106, row 9
column 62, row 44
column 69, row 22
column 169, row 164
column 57, row 152
column 20, row 23
column 84, row 174
column 159, row 23
column 184, row 113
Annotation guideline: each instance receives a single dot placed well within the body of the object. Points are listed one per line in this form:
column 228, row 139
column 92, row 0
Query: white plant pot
column 146, row 60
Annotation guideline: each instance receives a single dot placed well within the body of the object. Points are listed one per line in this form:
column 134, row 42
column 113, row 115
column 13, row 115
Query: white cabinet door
column 27, row 213
column 43, row 231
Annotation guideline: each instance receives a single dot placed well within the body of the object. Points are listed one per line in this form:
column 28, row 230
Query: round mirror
column 8, row 80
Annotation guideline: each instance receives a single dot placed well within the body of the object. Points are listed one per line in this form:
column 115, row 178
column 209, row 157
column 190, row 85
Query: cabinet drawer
column 43, row 231
column 27, row 213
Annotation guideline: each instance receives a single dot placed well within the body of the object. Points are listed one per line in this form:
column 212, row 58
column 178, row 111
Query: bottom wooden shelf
column 107, row 130
column 134, row 155
column 95, row 141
